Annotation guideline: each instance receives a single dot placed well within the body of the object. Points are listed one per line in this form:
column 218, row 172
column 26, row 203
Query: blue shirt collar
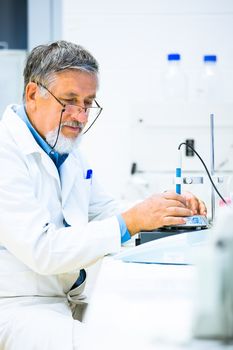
column 56, row 157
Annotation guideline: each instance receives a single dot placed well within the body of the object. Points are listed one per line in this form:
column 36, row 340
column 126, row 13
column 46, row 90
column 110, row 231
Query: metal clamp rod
column 212, row 165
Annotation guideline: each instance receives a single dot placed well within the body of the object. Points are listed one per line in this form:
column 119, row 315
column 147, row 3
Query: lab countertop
column 144, row 306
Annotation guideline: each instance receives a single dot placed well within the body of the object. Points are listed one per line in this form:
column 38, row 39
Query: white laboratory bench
column 144, row 306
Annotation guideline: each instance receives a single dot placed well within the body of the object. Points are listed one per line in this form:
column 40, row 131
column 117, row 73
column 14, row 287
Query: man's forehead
column 74, row 82
column 71, row 94
column 75, row 74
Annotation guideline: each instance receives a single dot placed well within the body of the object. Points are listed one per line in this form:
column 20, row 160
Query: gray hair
column 45, row 61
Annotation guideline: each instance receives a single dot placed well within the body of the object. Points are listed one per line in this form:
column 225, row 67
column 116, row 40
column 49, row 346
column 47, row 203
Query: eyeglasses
column 91, row 112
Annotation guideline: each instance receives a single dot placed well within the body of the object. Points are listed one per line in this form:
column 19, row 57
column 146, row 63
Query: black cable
column 206, row 169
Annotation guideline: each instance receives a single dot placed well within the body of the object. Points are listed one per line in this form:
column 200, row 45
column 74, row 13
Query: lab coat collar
column 19, row 131
column 25, row 140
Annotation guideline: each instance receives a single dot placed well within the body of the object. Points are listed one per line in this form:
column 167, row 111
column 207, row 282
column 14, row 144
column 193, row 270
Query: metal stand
column 212, row 165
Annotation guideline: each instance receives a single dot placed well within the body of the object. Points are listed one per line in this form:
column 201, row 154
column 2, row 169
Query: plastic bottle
column 208, row 82
column 175, row 80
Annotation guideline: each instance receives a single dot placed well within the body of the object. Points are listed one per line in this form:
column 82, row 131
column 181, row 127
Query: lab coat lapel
column 68, row 174
column 50, row 166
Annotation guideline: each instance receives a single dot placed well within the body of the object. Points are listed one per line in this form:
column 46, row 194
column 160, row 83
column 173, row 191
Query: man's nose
column 81, row 116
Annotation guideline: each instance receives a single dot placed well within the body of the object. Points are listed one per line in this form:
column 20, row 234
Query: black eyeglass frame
column 64, row 105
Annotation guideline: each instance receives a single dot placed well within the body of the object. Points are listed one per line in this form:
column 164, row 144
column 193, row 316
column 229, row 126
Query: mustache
column 74, row 124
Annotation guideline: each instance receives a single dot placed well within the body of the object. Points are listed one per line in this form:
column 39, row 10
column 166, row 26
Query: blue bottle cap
column 173, row 57
column 210, row 58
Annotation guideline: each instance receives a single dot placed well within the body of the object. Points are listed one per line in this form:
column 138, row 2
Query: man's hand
column 196, row 205
column 159, row 210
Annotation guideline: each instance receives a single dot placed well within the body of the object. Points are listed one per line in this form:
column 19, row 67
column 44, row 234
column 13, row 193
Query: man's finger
column 193, row 204
column 171, row 220
column 202, row 208
column 175, row 203
column 176, row 211
column 174, row 196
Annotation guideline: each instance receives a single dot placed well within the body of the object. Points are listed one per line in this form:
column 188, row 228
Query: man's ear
column 31, row 93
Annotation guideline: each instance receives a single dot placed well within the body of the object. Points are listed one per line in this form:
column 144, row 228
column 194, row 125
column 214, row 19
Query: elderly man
column 55, row 219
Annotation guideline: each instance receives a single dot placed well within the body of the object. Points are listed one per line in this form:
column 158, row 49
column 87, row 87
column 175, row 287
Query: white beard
column 64, row 144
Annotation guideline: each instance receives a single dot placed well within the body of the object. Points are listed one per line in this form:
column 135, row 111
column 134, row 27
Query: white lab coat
column 39, row 257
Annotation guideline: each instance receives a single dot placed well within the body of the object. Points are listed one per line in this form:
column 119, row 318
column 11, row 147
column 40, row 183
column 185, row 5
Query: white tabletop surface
column 143, row 306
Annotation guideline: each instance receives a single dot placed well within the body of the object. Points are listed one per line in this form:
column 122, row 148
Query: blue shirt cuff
column 125, row 235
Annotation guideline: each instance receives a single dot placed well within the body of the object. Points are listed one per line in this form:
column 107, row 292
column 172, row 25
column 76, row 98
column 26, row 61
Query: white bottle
column 208, row 90
column 175, row 82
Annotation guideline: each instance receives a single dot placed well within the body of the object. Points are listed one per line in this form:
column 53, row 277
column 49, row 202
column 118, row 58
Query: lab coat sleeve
column 27, row 232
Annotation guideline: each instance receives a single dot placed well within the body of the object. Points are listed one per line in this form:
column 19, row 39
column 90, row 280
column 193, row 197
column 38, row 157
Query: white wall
column 44, row 25
column 130, row 39
column 44, row 21
column 11, row 77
